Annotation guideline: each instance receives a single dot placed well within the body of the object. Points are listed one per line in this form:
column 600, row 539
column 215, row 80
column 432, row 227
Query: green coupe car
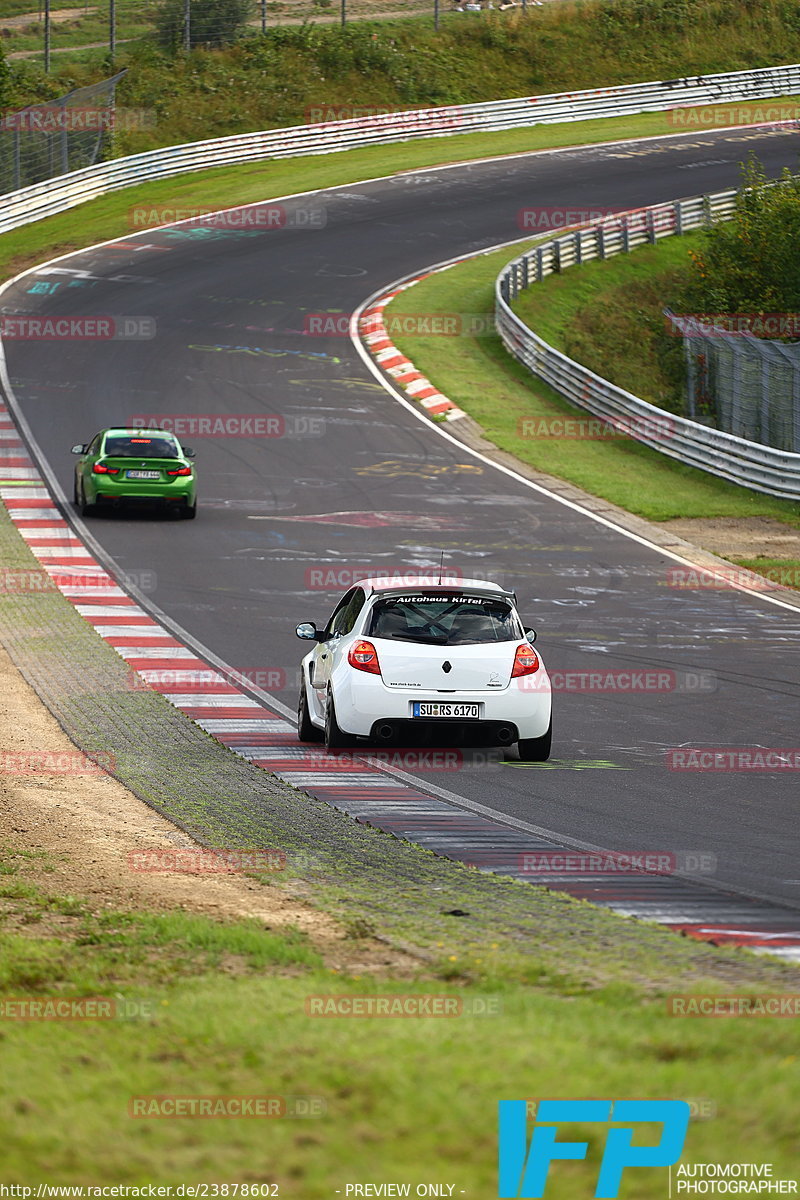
column 122, row 466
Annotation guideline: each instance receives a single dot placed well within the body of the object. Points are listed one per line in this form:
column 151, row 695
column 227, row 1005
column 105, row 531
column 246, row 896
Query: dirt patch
column 83, row 827
column 57, row 17
column 732, row 537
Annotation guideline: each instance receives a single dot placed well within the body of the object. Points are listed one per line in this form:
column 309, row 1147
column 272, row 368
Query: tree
column 5, row 80
column 211, row 22
column 750, row 263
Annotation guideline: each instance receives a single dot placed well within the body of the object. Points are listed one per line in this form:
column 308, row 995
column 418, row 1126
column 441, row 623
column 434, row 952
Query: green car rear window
column 143, row 447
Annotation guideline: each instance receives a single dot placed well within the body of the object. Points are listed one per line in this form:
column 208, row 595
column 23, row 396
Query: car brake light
column 181, row 471
column 526, row 661
column 364, row 657
column 102, row 469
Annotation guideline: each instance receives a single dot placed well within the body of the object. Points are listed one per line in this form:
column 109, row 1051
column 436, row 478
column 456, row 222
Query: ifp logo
column 523, row 1172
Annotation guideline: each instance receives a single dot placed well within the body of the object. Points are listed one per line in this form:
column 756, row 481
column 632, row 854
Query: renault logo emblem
column 447, row 667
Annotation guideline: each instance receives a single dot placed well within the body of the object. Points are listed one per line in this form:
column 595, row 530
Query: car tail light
column 102, row 469
column 364, row 657
column 181, row 471
column 526, row 661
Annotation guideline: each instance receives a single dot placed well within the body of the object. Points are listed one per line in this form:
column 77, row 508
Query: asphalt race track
column 358, row 482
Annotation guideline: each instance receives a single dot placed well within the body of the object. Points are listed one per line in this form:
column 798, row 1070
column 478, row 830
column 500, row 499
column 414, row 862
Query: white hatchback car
column 406, row 663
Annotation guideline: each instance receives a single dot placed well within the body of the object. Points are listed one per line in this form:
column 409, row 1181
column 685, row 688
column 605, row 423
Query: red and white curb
column 349, row 782
column 372, row 330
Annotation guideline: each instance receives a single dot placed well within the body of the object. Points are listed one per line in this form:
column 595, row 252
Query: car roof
column 386, row 585
column 124, row 431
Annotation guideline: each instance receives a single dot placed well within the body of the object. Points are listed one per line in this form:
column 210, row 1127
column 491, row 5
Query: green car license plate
column 142, row 474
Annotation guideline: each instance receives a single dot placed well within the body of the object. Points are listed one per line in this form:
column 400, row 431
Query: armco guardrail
column 763, row 468
column 63, row 192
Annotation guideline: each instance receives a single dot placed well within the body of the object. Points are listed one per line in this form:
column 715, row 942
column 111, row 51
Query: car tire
column 536, row 749
column 84, row 509
column 306, row 732
column 189, row 511
column 335, row 738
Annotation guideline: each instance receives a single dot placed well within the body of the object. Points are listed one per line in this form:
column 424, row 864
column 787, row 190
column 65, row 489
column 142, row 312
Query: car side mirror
column 530, row 634
column 308, row 631
column 78, row 449
column 188, row 452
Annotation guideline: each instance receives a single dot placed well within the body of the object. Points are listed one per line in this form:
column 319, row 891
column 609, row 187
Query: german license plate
column 448, row 708
column 142, row 474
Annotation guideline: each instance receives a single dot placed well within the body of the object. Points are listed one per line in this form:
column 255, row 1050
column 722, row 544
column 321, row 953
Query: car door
column 321, row 662
column 83, row 466
column 341, row 623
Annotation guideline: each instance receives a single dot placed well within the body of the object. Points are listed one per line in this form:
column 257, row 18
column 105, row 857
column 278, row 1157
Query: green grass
column 608, row 315
column 78, row 31
column 266, row 81
column 210, row 1008
column 783, row 571
column 480, row 377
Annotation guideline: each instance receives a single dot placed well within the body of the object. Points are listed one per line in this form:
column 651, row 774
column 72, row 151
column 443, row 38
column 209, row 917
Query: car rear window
column 444, row 620
column 141, row 447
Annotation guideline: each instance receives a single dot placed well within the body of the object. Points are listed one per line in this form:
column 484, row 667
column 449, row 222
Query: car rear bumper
column 518, row 711
column 441, row 732
column 123, row 497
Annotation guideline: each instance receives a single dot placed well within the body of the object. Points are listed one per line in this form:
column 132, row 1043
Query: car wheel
column 306, row 732
column 83, row 508
column 335, row 738
column 536, row 749
column 189, row 511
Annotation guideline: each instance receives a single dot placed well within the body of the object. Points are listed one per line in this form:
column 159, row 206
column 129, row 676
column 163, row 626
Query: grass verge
column 480, row 377
column 213, row 1008
column 608, row 315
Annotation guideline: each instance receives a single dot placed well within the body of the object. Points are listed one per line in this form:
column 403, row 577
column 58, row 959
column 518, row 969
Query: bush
column 750, row 263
